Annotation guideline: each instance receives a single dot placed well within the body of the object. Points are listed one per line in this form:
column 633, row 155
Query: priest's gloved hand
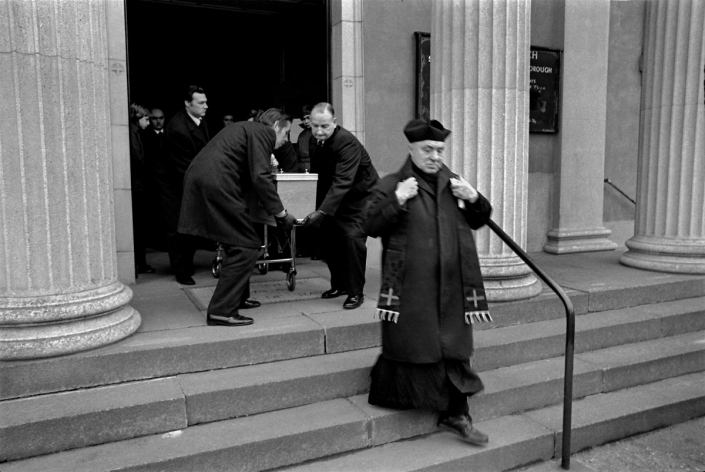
column 286, row 221
column 314, row 219
column 406, row 190
column 462, row 189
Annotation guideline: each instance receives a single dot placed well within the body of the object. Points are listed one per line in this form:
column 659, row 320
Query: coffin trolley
column 298, row 195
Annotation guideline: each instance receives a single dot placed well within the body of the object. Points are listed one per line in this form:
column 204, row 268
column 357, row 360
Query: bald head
column 323, row 121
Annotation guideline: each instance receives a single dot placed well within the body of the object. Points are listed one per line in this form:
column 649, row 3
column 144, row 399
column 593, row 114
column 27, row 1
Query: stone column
column 577, row 216
column 347, row 74
column 670, row 220
column 480, row 91
column 58, row 283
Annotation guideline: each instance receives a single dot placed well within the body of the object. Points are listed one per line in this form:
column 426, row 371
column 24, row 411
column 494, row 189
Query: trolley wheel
column 263, row 268
column 215, row 267
column 291, row 281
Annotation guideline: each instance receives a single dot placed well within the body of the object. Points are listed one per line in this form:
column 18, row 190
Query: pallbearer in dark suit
column 231, row 169
column 186, row 135
column 346, row 177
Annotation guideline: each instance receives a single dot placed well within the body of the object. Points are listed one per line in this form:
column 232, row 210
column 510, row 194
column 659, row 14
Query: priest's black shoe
column 245, row 304
column 185, row 280
column 333, row 293
column 235, row 320
column 353, row 301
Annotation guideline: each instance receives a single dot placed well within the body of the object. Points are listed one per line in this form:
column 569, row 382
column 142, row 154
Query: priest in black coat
column 432, row 290
column 232, row 168
column 185, row 135
column 346, row 177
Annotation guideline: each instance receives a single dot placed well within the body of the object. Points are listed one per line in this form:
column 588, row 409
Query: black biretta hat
column 421, row 130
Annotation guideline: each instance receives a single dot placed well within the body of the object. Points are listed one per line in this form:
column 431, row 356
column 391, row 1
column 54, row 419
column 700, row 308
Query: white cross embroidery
column 389, row 297
column 474, row 297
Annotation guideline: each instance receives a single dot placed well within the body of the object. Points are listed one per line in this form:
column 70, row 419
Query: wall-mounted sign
column 544, row 74
column 423, row 75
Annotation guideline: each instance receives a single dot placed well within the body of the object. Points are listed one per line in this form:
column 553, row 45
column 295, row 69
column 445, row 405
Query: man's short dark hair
column 323, row 107
column 273, row 115
column 188, row 96
column 305, row 110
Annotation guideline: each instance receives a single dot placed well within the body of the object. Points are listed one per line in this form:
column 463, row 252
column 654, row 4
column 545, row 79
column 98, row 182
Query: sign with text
column 544, row 74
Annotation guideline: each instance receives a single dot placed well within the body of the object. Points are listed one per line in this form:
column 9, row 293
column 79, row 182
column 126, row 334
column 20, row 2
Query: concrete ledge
column 649, row 361
column 512, row 439
column 512, row 345
column 231, row 393
column 165, row 353
column 606, row 417
column 297, row 435
column 620, row 297
column 57, row 422
column 350, row 329
column 259, row 442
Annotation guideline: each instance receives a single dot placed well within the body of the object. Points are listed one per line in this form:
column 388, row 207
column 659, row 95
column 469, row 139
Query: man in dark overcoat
column 432, row 290
column 346, row 177
column 186, row 134
column 219, row 183
column 158, row 187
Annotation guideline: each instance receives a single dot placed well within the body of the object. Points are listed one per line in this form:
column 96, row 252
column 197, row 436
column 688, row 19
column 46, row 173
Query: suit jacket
column 184, row 140
column 155, row 151
column 346, row 175
column 233, row 168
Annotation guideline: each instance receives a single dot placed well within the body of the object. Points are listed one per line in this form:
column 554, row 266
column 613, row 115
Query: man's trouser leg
column 334, row 253
column 234, row 282
column 457, row 402
column 184, row 251
column 355, row 252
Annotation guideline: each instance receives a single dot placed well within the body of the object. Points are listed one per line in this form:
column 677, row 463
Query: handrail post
column 569, row 339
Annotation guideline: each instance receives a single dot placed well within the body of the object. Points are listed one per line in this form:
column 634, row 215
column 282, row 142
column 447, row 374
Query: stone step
column 516, row 440
column 29, row 426
column 167, row 353
column 316, row 432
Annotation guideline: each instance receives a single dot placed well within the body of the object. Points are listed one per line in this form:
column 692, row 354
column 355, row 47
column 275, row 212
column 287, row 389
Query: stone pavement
column 676, row 448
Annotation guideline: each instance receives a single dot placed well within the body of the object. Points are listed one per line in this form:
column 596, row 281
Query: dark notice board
column 423, row 75
column 544, row 73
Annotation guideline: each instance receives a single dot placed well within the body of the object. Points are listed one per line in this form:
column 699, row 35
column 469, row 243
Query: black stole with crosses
column 389, row 302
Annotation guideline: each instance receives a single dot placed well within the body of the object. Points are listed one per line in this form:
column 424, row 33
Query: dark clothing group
column 346, row 178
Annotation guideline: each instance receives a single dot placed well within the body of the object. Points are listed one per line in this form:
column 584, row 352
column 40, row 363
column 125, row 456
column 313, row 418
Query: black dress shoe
column 245, row 304
column 235, row 320
column 145, row 269
column 333, row 293
column 185, row 280
column 353, row 301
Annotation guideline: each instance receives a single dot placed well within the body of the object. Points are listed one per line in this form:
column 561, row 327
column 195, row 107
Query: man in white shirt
column 186, row 134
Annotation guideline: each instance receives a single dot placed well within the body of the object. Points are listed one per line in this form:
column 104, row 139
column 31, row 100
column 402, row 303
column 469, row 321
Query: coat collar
column 444, row 176
column 198, row 132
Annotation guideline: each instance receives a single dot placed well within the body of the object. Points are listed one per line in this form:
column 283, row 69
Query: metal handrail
column 569, row 338
column 608, row 181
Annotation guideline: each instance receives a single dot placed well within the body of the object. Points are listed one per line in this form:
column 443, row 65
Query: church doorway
column 246, row 54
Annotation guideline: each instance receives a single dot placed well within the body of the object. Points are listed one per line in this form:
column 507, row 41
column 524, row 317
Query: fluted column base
column 508, row 279
column 665, row 255
column 37, row 327
column 566, row 241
